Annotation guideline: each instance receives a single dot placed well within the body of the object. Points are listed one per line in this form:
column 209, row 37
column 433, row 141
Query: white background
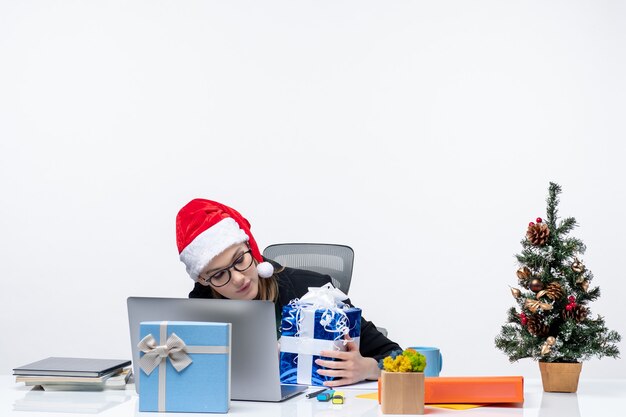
column 422, row 134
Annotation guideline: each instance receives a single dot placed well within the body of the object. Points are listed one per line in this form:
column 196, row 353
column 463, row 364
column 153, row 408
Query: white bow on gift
column 174, row 348
column 324, row 296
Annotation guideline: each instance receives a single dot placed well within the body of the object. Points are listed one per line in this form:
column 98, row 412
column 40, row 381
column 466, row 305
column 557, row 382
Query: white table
column 597, row 398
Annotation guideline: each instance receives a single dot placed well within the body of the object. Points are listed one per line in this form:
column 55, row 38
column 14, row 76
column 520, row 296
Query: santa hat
column 205, row 228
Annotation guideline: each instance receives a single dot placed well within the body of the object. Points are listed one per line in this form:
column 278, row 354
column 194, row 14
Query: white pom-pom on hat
column 265, row 269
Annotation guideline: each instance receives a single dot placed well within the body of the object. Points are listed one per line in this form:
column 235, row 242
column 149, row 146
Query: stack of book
column 75, row 374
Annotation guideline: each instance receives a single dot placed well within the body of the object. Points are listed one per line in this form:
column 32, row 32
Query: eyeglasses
column 223, row 276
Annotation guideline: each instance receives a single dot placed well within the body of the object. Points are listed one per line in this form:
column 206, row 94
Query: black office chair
column 325, row 258
column 328, row 259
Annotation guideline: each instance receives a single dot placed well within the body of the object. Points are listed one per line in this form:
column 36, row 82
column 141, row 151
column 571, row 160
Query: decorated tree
column 552, row 321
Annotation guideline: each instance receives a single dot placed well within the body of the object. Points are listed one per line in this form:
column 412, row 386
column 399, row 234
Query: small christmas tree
column 554, row 322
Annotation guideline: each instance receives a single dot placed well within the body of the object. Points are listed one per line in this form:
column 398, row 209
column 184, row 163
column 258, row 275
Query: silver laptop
column 254, row 360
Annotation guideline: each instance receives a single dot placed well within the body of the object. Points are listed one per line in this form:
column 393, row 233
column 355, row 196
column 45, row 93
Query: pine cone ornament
column 538, row 233
column 578, row 313
column 536, row 326
column 553, row 291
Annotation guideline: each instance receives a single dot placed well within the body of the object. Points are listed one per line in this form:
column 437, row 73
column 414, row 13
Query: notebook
column 80, row 367
column 254, row 354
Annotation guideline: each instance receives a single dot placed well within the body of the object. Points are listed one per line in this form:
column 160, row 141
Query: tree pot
column 402, row 392
column 560, row 377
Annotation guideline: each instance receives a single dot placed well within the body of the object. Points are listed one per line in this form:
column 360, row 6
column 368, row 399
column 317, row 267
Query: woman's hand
column 350, row 368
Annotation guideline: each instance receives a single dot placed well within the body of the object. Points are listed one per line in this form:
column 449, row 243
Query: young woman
column 221, row 256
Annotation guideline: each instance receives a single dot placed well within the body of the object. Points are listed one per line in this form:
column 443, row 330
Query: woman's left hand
column 350, row 368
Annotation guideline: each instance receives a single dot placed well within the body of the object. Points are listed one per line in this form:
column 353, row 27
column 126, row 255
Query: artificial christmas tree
column 554, row 323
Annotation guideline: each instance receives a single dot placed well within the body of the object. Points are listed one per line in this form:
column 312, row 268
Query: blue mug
column 434, row 360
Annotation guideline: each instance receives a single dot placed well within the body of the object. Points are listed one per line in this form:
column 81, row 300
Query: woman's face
column 243, row 284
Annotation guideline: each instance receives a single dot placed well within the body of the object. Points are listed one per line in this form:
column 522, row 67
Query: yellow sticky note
column 374, row 396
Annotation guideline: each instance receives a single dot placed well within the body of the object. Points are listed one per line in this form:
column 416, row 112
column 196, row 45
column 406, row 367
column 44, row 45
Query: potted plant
column 554, row 324
column 401, row 384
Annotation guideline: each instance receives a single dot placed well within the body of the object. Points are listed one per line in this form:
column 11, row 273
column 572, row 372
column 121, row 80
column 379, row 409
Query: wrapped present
column 318, row 321
column 185, row 366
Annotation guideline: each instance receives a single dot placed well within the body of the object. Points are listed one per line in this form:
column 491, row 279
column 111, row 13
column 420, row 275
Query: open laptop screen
column 254, row 361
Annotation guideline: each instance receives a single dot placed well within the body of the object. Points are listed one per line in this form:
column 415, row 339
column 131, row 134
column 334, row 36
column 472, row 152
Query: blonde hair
column 268, row 289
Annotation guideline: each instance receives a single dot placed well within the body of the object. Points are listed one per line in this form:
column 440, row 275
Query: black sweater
column 294, row 283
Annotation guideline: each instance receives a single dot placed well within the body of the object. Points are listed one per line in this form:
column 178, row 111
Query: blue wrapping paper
column 306, row 330
column 204, row 385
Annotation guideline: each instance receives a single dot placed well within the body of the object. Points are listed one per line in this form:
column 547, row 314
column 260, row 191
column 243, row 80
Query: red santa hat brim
column 210, row 243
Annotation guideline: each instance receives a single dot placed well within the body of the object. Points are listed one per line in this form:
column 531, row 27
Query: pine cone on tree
column 536, row 326
column 578, row 313
column 553, row 291
column 538, row 233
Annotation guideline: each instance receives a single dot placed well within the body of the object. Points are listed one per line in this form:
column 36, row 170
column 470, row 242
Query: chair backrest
column 329, row 259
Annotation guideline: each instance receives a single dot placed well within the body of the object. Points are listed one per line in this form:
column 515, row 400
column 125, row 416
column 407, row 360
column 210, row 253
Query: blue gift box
column 185, row 366
column 305, row 331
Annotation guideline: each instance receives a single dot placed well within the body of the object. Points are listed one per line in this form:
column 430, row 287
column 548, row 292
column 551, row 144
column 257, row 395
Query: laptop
column 254, row 351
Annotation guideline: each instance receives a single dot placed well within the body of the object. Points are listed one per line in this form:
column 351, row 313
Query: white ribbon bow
column 324, row 296
column 154, row 354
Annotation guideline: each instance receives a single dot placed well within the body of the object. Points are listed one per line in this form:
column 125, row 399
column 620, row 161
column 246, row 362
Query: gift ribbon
column 327, row 298
column 176, row 350
column 324, row 296
column 303, row 343
column 306, row 346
